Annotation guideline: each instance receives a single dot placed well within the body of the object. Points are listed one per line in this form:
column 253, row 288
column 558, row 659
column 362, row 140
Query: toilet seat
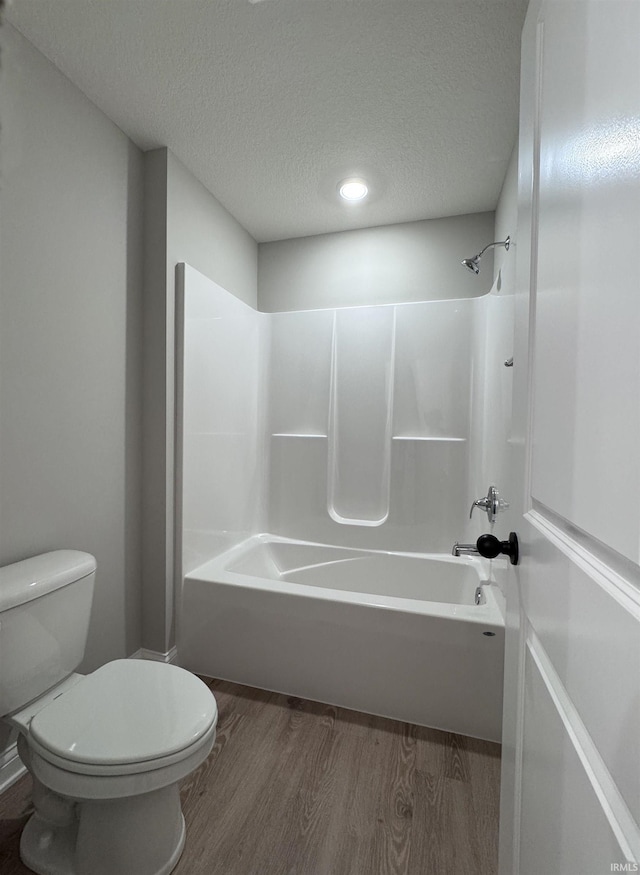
column 131, row 727
column 129, row 716
column 118, row 783
column 115, row 770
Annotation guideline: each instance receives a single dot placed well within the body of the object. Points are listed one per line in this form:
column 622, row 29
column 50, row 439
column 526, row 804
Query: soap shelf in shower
column 410, row 437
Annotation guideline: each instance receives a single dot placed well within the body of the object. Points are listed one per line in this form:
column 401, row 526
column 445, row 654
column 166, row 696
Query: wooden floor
column 297, row 788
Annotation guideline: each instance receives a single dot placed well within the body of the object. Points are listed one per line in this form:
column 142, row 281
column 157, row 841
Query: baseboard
column 11, row 767
column 155, row 655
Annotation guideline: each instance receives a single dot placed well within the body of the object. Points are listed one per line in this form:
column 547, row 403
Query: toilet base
column 139, row 835
column 47, row 849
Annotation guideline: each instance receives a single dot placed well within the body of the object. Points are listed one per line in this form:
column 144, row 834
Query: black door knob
column 490, row 547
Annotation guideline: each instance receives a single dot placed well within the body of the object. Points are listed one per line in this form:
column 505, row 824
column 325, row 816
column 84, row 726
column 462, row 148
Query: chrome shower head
column 473, row 264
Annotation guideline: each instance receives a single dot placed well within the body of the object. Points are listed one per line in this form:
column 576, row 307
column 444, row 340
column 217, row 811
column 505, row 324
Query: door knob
column 490, row 547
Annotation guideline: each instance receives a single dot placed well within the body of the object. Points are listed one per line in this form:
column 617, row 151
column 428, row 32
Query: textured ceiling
column 271, row 103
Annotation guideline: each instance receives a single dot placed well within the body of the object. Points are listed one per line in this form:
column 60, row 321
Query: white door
column 571, row 747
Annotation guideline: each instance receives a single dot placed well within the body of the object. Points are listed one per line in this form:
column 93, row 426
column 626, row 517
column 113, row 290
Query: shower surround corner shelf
column 287, row 434
column 412, row 437
column 395, row 437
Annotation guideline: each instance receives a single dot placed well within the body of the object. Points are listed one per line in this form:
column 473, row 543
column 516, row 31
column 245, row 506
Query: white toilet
column 106, row 750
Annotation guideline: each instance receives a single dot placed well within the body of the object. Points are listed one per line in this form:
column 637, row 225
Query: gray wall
column 70, row 338
column 492, row 445
column 183, row 223
column 507, row 219
column 203, row 234
column 414, row 261
column 505, row 447
column 72, row 335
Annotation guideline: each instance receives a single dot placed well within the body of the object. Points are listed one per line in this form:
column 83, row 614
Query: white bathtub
column 394, row 634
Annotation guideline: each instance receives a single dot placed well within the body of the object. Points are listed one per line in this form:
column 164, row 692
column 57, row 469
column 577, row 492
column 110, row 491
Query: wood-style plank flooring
column 298, row 788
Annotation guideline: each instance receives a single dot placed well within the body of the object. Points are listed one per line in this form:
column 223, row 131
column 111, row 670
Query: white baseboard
column 155, row 655
column 11, row 767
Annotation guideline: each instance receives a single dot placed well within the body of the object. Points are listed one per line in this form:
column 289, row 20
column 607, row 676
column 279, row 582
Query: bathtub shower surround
column 219, row 442
column 392, row 634
column 372, row 450
column 347, row 435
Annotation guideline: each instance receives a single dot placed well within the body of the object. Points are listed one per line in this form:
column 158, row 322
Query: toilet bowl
column 106, row 750
column 106, row 753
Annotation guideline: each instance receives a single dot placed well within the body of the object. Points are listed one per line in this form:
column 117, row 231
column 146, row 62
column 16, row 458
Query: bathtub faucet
column 464, row 550
column 490, row 547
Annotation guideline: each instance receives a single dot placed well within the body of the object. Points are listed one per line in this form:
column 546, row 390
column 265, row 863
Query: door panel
column 560, row 800
column 587, row 356
column 571, row 778
column 585, row 624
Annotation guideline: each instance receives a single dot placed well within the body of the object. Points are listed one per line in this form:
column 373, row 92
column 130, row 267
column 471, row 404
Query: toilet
column 106, row 750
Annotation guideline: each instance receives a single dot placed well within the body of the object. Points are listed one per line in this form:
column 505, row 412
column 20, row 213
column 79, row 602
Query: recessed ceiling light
column 353, row 189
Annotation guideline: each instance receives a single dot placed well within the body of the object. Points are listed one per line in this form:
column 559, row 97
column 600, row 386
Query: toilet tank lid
column 31, row 578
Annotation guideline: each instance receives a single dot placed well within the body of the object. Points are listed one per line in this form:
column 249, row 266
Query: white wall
column 70, row 338
column 405, row 372
column 183, row 222
column 406, row 449
column 414, row 261
column 220, row 376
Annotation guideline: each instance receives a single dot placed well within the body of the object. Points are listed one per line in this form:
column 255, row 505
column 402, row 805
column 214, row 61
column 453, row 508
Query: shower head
column 473, row 264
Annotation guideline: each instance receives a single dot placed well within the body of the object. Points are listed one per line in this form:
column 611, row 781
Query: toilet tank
column 45, row 605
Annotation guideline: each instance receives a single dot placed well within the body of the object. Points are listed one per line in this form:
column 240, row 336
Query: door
column 571, row 746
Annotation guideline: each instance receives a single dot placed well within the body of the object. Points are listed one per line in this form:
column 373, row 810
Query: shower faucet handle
column 491, row 503
column 484, row 503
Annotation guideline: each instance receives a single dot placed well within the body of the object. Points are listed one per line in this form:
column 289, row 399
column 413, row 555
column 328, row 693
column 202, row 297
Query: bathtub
column 394, row 634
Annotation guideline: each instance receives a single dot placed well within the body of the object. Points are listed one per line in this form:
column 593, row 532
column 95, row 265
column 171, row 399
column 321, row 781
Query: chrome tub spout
column 464, row 550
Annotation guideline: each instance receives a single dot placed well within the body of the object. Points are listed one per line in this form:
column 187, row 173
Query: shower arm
column 506, row 243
